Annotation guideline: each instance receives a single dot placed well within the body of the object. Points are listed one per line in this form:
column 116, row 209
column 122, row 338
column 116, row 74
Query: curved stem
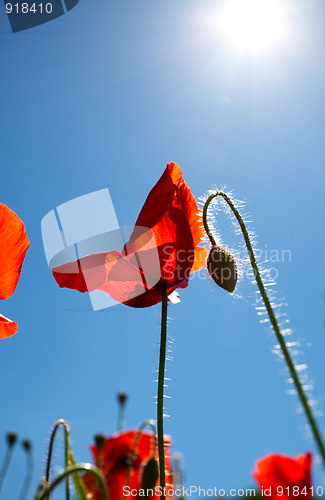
column 151, row 423
column 71, row 470
column 5, row 465
column 29, row 476
column 58, row 424
column 160, row 397
column 120, row 418
column 277, row 330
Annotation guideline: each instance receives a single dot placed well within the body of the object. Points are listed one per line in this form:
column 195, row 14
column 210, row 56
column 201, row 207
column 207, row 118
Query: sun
column 253, row 24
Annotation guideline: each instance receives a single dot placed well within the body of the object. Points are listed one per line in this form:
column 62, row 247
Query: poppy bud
column 27, row 445
column 99, row 440
column 150, row 475
column 11, row 438
column 222, row 268
column 122, row 397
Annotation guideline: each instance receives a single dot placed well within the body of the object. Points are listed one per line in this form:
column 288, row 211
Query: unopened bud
column 27, row 445
column 99, row 440
column 122, row 397
column 150, row 475
column 11, row 438
column 222, row 268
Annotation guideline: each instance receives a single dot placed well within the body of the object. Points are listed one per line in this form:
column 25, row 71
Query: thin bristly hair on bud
column 278, row 303
column 219, row 207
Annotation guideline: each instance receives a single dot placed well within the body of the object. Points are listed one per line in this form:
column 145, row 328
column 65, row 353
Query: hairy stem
column 266, row 300
column 71, row 470
column 160, row 397
column 152, row 424
column 59, row 423
column 28, row 478
column 5, row 465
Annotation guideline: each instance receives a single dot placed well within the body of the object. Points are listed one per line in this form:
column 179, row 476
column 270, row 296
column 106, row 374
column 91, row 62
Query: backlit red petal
column 85, row 274
column 193, row 214
column 161, row 196
column 113, row 459
column 124, row 281
column 275, row 471
column 8, row 328
column 13, row 247
column 200, row 258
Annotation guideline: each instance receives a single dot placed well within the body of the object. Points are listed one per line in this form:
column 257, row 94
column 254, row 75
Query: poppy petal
column 275, row 471
column 125, row 282
column 13, row 247
column 193, row 214
column 85, row 274
column 161, row 197
column 8, row 328
column 113, row 458
column 200, row 259
column 174, row 297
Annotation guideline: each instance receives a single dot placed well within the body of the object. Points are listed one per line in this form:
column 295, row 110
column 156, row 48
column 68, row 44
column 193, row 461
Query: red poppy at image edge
column 13, row 247
column 282, row 474
column 113, row 458
column 170, row 213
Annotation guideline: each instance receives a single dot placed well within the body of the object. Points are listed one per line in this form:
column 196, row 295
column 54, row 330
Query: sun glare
column 253, row 24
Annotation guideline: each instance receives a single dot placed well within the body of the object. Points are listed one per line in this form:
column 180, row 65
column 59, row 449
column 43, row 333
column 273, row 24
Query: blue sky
column 105, row 96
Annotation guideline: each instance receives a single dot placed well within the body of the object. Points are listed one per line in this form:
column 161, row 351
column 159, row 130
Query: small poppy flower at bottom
column 113, row 457
column 284, row 476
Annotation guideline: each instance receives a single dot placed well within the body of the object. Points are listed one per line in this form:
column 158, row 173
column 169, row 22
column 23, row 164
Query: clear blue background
column 105, row 96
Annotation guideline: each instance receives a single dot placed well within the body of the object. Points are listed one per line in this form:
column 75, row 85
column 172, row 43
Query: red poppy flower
column 13, row 247
column 162, row 251
column 112, row 459
column 287, row 477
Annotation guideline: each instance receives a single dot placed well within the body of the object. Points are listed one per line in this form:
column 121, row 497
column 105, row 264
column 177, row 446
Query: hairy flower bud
column 27, row 444
column 150, row 474
column 11, row 438
column 99, row 440
column 222, row 268
column 122, row 397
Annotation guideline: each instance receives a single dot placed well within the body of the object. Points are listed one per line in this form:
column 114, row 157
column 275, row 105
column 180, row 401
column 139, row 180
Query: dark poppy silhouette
column 27, row 14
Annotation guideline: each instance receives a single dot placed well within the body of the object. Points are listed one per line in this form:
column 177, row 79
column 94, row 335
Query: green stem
column 285, row 351
column 160, row 397
column 59, row 423
column 5, row 465
column 151, row 423
column 71, row 470
column 29, row 476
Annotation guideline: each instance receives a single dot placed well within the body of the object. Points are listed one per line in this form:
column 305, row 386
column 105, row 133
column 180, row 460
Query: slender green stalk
column 151, row 423
column 44, row 494
column 5, row 465
column 59, row 423
column 285, row 351
column 122, row 397
column 29, row 473
column 160, row 397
